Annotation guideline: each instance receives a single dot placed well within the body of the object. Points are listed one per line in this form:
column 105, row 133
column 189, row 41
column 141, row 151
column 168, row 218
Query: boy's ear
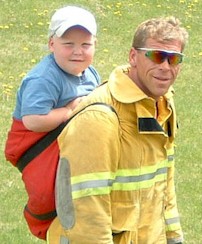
column 50, row 44
column 133, row 56
column 95, row 40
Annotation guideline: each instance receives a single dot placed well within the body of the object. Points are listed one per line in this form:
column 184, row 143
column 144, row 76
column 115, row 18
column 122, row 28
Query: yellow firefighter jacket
column 116, row 178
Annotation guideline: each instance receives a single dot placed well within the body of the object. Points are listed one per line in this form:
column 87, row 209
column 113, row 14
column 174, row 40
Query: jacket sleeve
column 173, row 227
column 91, row 146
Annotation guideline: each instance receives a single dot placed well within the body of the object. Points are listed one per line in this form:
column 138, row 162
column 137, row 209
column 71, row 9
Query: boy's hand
column 72, row 105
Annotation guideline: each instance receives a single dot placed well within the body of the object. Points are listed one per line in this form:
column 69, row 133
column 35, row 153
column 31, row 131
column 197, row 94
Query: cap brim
column 66, row 25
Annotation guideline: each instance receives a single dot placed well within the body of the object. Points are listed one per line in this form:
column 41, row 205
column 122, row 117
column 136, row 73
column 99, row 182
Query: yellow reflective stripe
column 104, row 182
column 91, row 192
column 171, row 214
column 92, row 176
column 170, row 151
column 173, row 227
column 143, row 170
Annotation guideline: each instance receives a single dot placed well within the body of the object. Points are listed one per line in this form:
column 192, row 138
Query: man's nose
column 165, row 64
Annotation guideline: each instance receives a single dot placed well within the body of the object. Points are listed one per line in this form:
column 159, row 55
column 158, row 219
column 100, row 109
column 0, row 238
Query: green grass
column 23, row 35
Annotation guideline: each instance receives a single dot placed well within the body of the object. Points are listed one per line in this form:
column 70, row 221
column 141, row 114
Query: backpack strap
column 45, row 141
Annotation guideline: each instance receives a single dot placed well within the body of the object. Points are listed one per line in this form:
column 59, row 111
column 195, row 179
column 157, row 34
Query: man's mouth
column 162, row 78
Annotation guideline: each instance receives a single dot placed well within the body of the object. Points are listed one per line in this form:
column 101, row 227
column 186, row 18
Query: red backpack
column 38, row 174
column 36, row 156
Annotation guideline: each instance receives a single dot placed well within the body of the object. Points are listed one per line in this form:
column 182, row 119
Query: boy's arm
column 48, row 122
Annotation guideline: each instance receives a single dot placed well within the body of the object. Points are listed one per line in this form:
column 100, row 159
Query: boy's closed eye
column 87, row 45
column 69, row 44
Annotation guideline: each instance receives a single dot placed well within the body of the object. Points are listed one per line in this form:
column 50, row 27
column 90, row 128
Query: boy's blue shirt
column 47, row 87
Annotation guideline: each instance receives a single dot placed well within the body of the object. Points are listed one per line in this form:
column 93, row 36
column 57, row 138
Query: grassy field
column 23, row 35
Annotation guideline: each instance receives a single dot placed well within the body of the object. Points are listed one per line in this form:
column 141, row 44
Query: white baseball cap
column 69, row 16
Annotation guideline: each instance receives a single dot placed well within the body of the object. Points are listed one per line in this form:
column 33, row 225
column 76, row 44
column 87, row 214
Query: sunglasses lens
column 175, row 58
column 160, row 56
column 155, row 56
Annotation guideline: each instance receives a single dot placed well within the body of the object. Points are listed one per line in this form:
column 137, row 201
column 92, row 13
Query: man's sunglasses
column 158, row 56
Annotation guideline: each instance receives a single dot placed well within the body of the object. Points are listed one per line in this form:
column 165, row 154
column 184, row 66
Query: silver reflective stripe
column 175, row 240
column 140, row 178
column 170, row 158
column 172, row 221
column 90, row 184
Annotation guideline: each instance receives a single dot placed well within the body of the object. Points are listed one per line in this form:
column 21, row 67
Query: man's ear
column 133, row 57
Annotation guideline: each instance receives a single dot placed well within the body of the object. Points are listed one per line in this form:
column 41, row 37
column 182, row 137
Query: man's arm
column 173, row 227
column 90, row 145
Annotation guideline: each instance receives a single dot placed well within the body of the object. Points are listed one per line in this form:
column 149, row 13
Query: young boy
column 47, row 96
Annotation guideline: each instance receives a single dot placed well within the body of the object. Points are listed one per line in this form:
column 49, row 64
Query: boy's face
column 74, row 51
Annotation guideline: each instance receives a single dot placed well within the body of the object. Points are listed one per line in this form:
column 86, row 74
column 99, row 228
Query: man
column 115, row 181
